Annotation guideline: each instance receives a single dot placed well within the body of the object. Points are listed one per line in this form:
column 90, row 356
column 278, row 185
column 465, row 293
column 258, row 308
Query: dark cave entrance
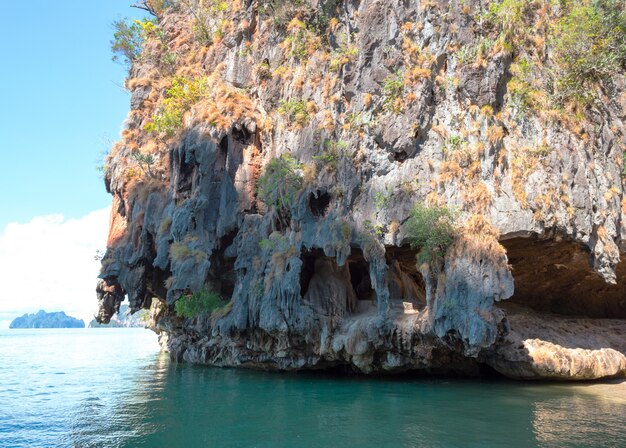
column 318, row 203
column 222, row 274
column 406, row 285
column 556, row 277
column 360, row 276
column 308, row 268
column 348, row 286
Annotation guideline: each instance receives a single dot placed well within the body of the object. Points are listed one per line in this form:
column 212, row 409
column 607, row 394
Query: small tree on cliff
column 279, row 185
column 431, row 230
column 127, row 42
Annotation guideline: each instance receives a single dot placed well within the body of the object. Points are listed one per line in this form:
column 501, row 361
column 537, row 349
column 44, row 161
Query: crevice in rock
column 184, row 170
column 318, row 203
column 556, row 277
column 222, row 275
column 400, row 156
column 242, row 136
column 308, row 268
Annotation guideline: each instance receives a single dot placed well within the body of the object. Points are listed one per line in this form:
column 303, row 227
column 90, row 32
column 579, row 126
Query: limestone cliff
column 275, row 152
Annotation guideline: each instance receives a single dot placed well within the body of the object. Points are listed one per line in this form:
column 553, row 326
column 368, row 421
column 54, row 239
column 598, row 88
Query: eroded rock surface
column 380, row 105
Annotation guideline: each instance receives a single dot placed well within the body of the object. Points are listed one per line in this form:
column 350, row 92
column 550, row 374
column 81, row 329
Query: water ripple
column 89, row 388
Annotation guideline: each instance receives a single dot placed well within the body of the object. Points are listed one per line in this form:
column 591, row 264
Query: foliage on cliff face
column 590, row 45
column 200, row 303
column 574, row 45
column 431, row 230
column 280, row 183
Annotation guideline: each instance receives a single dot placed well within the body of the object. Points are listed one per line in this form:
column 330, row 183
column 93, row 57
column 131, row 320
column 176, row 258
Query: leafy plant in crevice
column 180, row 97
column 280, row 184
column 332, row 154
column 276, row 242
column 344, row 53
column 145, row 162
column 204, row 302
column 283, row 11
column 382, row 199
column 393, row 87
column 295, row 110
column 431, row 230
column 210, row 18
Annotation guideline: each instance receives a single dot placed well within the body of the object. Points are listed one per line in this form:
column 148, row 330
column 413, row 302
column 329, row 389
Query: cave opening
column 327, row 285
column 406, row 285
column 318, row 203
column 360, row 276
column 224, row 145
column 556, row 277
column 308, row 268
column 222, row 273
column 242, row 136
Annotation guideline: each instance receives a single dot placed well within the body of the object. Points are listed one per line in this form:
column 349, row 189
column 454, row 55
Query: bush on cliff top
column 129, row 37
column 432, row 230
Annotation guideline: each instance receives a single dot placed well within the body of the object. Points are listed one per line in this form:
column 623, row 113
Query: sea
column 114, row 388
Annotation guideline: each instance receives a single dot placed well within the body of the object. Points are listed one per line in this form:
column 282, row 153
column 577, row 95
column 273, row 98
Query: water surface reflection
column 183, row 405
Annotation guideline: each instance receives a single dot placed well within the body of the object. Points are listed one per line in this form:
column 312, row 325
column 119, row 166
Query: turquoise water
column 112, row 388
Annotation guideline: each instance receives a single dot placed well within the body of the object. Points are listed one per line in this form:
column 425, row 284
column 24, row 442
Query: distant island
column 123, row 319
column 47, row 320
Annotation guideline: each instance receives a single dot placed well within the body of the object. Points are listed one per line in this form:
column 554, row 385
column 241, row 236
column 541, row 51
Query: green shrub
column 280, row 182
column 589, row 42
column 344, row 53
column 432, row 230
column 128, row 40
column 295, row 110
column 275, row 243
column 165, row 225
column 508, row 16
column 209, row 17
column 180, row 97
column 392, row 89
column 145, row 162
column 201, row 303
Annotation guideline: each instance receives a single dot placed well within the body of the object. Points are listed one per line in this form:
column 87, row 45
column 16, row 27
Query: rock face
column 277, row 164
column 47, row 320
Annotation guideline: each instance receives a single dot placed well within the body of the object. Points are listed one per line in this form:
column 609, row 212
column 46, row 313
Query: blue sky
column 62, row 105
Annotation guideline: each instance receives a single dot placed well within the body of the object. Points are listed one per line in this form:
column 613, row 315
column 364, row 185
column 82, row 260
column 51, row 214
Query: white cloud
column 49, row 264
